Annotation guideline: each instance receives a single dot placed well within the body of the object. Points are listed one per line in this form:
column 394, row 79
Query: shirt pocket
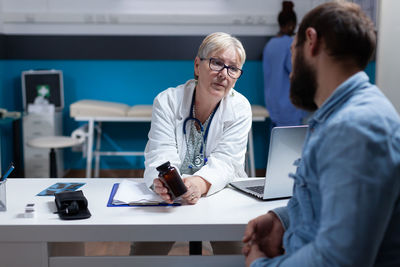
column 302, row 192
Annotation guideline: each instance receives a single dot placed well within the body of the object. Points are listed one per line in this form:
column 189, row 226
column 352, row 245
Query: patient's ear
column 312, row 41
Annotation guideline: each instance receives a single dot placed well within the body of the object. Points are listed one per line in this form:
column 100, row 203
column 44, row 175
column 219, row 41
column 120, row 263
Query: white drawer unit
column 37, row 160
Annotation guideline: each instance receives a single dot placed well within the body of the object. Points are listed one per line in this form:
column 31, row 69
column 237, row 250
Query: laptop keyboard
column 258, row 189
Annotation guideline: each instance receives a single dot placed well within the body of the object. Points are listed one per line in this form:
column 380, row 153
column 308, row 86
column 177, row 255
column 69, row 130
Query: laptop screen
column 285, row 148
column 286, row 145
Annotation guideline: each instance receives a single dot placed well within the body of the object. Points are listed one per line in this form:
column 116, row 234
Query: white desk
column 24, row 241
column 259, row 114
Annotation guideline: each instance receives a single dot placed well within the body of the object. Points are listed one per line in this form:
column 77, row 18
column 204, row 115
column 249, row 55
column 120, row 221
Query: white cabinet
column 37, row 160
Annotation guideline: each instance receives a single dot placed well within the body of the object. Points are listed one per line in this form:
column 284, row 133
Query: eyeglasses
column 216, row 64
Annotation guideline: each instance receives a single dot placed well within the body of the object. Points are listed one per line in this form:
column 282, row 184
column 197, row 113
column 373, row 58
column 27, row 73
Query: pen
column 10, row 169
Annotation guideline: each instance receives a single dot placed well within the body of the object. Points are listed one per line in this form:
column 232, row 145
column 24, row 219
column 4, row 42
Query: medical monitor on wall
column 47, row 84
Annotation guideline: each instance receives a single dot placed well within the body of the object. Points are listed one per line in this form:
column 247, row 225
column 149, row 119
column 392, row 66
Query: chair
column 53, row 143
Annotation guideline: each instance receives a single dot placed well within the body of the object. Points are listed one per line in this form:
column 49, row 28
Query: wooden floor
column 115, row 249
column 123, row 249
column 134, row 173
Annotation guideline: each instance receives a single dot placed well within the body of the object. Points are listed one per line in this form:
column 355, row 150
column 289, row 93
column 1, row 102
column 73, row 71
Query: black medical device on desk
column 72, row 205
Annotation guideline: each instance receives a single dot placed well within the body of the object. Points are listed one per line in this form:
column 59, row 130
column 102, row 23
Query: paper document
column 135, row 192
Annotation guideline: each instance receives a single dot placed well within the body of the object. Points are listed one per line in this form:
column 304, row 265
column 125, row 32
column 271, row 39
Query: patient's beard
column 303, row 83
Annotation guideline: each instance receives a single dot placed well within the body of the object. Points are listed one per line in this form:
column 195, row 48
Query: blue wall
column 127, row 81
column 6, row 134
column 130, row 82
column 370, row 70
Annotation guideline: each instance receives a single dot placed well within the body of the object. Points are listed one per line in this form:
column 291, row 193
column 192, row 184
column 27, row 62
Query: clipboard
column 114, row 190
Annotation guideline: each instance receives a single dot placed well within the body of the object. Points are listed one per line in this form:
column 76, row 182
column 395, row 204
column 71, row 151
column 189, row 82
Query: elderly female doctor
column 201, row 127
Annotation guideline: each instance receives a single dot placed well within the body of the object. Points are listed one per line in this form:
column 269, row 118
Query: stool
column 52, row 143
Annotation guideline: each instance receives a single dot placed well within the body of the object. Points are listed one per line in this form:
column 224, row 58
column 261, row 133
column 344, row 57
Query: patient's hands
column 196, row 187
column 263, row 237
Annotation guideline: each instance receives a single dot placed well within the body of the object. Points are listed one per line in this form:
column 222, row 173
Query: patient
column 201, row 126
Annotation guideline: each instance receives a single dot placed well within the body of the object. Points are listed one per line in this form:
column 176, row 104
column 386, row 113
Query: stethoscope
column 200, row 160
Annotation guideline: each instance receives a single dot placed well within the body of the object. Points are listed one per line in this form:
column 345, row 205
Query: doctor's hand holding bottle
column 196, row 187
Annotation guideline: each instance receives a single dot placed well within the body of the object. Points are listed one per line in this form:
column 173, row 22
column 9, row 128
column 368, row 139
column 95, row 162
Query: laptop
column 285, row 148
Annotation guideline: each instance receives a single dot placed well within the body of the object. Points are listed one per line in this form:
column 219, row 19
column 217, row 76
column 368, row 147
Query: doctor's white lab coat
column 226, row 141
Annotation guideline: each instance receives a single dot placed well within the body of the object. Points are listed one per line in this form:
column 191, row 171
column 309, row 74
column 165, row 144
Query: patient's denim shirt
column 345, row 209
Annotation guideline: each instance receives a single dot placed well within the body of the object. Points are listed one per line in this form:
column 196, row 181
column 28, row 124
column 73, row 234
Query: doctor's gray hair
column 220, row 41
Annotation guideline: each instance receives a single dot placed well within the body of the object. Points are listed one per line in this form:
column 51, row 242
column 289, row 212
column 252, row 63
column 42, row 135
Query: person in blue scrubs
column 277, row 67
column 345, row 208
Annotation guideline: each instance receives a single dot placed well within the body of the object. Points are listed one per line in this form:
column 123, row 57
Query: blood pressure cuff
column 72, row 205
